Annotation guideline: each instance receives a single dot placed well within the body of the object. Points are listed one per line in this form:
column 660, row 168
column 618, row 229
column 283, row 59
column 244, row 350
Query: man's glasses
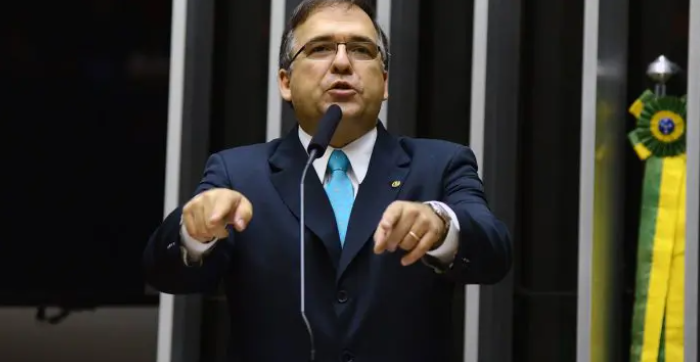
column 325, row 49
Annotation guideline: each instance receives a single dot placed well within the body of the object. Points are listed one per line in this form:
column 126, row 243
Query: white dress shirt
column 359, row 153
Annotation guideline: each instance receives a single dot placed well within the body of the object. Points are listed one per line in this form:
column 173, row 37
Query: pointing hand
column 205, row 216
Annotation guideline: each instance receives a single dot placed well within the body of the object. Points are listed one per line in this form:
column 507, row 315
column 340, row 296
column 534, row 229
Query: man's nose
column 341, row 61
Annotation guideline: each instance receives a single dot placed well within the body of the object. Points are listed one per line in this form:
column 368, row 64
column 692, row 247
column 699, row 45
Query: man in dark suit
column 391, row 223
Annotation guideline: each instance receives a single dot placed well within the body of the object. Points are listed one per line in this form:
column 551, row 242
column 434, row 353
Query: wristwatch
column 428, row 260
column 446, row 219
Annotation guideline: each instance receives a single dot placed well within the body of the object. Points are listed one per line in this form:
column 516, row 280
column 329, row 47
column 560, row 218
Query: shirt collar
column 358, row 151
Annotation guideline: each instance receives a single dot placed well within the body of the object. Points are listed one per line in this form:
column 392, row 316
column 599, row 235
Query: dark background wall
column 85, row 90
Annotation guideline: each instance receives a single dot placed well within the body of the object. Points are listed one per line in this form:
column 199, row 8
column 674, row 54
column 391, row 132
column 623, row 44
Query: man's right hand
column 205, row 216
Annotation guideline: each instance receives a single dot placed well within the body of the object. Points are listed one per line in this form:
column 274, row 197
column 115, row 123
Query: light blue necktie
column 340, row 191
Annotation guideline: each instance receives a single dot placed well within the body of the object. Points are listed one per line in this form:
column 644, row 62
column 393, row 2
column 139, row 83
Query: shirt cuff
column 192, row 250
column 448, row 250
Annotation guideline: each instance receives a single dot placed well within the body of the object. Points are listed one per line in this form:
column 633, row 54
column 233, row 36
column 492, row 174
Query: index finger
column 223, row 208
column 391, row 216
column 243, row 214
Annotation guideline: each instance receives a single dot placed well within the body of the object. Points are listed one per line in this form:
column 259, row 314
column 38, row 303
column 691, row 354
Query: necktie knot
column 338, row 161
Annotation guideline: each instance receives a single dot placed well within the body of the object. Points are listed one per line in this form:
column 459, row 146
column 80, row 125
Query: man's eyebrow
column 349, row 38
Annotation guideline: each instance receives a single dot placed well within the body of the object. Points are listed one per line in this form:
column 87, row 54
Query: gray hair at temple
column 307, row 7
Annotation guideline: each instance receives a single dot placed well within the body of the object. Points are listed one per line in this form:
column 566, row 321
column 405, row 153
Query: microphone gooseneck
column 302, row 224
column 317, row 147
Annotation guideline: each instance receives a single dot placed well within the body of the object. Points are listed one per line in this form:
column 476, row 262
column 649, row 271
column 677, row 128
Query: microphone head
column 325, row 130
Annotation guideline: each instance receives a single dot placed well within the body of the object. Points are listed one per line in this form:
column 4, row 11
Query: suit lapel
column 287, row 163
column 387, row 171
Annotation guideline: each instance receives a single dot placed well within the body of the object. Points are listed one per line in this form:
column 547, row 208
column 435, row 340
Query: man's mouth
column 341, row 86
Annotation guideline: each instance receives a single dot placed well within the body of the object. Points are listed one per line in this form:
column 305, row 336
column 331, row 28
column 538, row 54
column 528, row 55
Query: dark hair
column 307, row 7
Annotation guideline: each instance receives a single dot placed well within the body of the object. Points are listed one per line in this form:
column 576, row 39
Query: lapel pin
column 396, row 184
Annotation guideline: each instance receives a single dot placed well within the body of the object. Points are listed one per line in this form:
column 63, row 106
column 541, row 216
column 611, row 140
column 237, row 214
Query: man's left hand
column 411, row 226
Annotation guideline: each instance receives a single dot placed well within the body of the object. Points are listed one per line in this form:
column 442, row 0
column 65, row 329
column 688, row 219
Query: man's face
column 351, row 77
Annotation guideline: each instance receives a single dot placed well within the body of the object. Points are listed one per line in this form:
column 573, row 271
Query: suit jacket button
column 347, row 356
column 342, row 296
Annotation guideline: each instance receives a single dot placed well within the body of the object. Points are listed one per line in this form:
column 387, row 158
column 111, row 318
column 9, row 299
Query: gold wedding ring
column 414, row 235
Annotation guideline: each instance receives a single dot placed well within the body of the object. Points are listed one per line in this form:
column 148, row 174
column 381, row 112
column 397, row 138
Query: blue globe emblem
column 666, row 126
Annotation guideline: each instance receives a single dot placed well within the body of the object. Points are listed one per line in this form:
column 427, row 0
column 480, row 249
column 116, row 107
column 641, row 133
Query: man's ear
column 386, row 85
column 284, row 83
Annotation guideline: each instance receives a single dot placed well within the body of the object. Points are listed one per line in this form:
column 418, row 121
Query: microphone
column 324, row 132
column 319, row 142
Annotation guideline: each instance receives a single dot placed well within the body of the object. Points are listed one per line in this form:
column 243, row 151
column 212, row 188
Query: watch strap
column 440, row 211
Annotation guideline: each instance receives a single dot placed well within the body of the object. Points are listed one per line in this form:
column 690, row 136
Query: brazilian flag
column 659, row 141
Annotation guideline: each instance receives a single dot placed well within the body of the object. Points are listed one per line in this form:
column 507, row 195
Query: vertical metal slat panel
column 476, row 143
column 187, row 151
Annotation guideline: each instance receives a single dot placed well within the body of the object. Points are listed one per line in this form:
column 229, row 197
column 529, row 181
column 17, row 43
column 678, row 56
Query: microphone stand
column 319, row 143
column 302, row 269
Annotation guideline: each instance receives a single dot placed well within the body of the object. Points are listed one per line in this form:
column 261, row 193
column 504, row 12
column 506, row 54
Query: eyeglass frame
column 337, row 44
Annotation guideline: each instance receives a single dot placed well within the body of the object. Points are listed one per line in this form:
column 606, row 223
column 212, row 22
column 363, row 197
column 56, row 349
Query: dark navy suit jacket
column 362, row 306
